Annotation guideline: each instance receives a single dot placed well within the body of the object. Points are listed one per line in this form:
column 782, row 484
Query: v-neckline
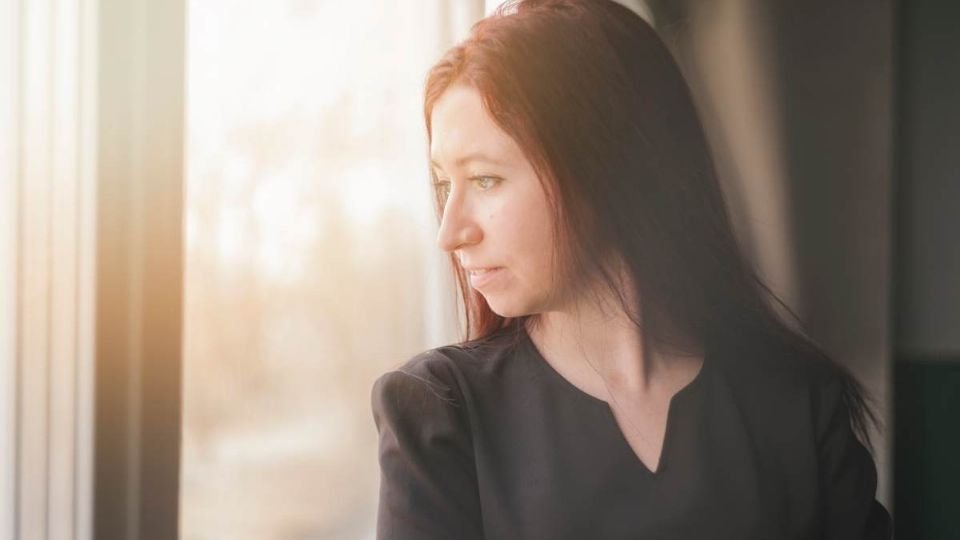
column 607, row 411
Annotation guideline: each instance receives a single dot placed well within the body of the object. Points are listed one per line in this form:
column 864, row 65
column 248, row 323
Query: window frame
column 139, row 279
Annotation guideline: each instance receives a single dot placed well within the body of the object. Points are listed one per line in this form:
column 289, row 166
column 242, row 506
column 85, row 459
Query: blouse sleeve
column 848, row 475
column 428, row 486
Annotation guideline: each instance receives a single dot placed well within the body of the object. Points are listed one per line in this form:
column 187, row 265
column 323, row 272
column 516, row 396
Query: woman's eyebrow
column 473, row 156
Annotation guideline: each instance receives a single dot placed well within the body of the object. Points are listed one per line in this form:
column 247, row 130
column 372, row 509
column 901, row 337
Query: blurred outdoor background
column 310, row 257
column 216, row 231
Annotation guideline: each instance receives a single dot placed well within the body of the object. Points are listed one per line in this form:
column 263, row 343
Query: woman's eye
column 442, row 187
column 485, row 182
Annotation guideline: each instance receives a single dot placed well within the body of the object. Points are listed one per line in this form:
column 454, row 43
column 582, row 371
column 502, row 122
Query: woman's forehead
column 462, row 131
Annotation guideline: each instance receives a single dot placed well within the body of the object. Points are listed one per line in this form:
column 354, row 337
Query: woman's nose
column 457, row 228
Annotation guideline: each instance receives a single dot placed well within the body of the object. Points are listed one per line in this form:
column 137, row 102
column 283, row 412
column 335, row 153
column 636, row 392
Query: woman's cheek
column 496, row 211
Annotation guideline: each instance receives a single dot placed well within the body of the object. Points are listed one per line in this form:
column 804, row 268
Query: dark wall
column 834, row 64
column 927, row 271
column 928, row 187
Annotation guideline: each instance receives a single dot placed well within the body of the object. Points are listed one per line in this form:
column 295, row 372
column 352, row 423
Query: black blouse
column 489, row 441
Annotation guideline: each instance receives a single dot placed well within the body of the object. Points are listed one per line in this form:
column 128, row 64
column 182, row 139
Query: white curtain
column 47, row 226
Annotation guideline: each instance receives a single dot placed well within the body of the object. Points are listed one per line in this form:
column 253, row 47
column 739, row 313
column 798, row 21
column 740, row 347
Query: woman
column 624, row 374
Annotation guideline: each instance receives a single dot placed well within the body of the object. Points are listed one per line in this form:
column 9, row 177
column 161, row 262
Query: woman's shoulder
column 780, row 369
column 777, row 381
column 790, row 392
column 448, row 372
column 806, row 405
column 419, row 401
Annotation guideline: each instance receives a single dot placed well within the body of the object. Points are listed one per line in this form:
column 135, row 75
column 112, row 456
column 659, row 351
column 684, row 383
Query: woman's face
column 496, row 213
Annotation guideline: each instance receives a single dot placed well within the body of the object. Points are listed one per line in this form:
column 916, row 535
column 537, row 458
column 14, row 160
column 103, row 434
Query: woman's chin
column 507, row 309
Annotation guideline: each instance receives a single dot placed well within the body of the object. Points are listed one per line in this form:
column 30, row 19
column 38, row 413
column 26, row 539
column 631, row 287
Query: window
column 310, row 258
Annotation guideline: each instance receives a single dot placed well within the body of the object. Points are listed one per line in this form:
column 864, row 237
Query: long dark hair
column 601, row 110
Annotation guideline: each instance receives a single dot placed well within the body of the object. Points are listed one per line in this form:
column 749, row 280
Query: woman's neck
column 600, row 350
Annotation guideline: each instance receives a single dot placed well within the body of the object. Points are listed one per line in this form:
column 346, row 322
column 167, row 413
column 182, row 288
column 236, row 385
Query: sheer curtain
column 311, row 265
column 48, row 60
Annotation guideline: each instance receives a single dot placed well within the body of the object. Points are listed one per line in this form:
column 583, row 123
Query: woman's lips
column 481, row 277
